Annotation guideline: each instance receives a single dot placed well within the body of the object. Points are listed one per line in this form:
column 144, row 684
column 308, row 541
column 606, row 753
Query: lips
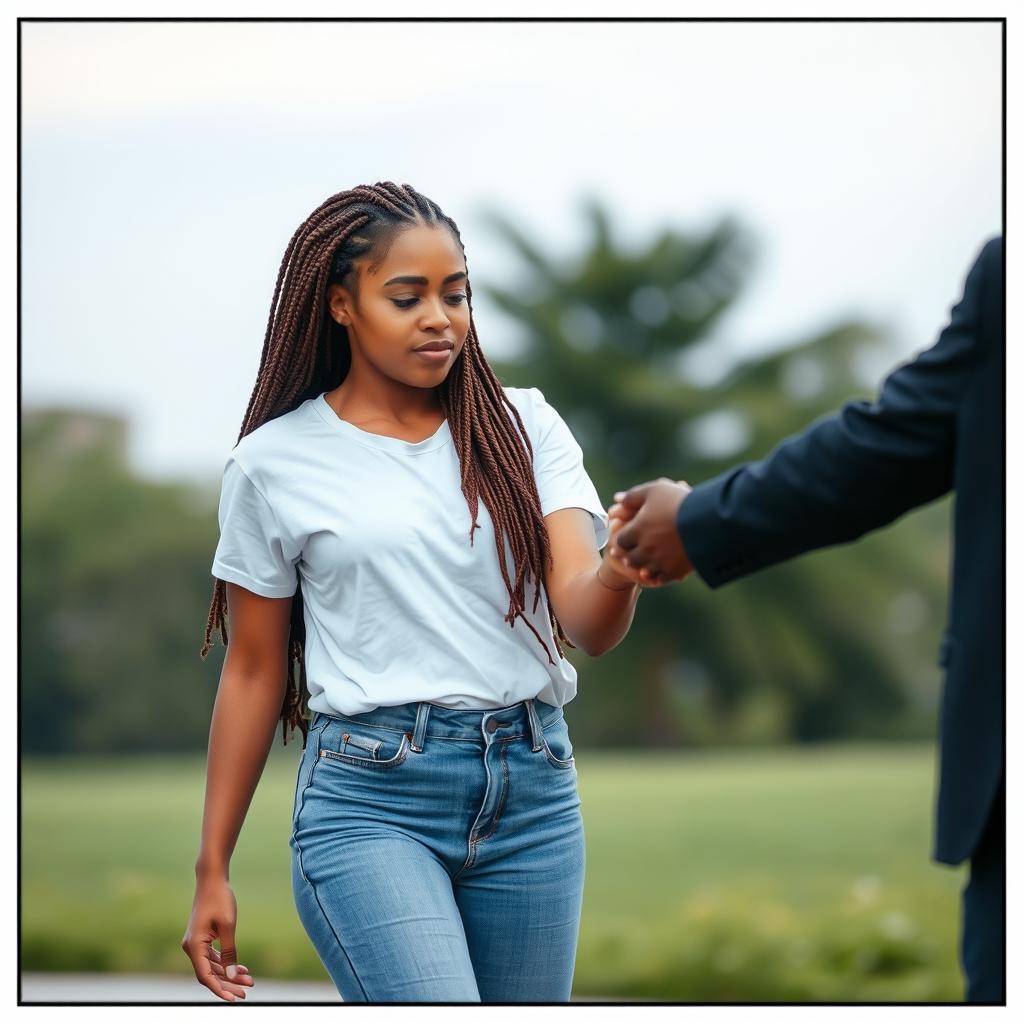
column 435, row 346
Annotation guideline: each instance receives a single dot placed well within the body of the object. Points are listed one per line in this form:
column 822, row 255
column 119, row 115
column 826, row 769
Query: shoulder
column 537, row 413
column 549, row 434
column 991, row 256
column 266, row 454
column 522, row 398
column 986, row 274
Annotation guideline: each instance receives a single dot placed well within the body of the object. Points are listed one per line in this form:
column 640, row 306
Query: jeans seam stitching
column 302, row 804
column 555, row 762
column 473, row 843
column 504, row 789
column 436, row 736
column 337, row 939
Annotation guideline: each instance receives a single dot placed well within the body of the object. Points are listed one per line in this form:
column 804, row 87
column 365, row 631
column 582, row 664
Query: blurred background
column 695, row 238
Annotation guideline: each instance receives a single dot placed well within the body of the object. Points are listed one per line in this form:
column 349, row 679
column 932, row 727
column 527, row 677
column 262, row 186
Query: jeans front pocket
column 363, row 745
column 557, row 745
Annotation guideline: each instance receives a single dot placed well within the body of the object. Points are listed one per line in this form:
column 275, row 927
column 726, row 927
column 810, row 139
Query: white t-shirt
column 398, row 606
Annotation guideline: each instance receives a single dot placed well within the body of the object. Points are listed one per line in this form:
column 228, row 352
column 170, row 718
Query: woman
column 437, row 845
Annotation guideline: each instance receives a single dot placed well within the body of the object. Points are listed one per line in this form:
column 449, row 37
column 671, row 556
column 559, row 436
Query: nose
column 434, row 315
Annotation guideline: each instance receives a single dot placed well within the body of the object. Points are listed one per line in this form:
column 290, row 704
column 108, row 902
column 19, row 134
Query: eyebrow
column 409, row 279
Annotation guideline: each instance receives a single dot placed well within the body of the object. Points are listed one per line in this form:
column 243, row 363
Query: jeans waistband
column 424, row 720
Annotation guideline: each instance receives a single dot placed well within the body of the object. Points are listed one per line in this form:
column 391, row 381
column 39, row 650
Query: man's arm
column 851, row 472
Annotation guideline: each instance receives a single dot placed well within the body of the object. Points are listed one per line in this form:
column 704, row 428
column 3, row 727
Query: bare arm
column 245, row 715
column 594, row 598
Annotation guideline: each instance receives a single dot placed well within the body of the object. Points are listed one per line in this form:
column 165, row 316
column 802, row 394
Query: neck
column 369, row 398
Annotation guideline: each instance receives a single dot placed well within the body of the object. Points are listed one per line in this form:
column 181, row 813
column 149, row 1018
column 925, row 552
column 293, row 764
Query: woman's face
column 416, row 297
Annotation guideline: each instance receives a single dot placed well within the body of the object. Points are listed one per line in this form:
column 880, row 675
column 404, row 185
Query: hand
column 214, row 913
column 650, row 543
column 612, row 572
column 622, row 514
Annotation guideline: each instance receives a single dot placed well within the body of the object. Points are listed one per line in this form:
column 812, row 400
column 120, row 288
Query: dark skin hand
column 649, row 542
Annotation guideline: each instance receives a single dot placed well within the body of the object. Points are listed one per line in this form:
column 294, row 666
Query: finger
column 234, row 980
column 622, row 513
column 228, row 952
column 648, row 577
column 634, row 560
column 627, row 538
column 616, row 568
column 229, row 955
column 215, row 956
column 243, row 976
column 238, row 986
column 634, row 497
column 218, row 966
column 203, row 967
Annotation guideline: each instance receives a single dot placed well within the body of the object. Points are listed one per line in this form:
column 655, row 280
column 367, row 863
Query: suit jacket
column 938, row 424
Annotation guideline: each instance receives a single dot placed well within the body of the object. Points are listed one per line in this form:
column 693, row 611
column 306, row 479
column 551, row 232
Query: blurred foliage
column 117, row 584
column 786, row 874
column 112, row 596
column 840, row 643
column 743, row 946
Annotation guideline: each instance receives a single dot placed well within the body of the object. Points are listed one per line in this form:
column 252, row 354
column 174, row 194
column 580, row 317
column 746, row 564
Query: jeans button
column 492, row 724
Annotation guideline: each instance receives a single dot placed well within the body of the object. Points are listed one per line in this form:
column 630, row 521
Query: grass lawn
column 760, row 875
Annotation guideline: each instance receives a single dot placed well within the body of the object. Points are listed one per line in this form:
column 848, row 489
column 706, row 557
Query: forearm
column 854, row 471
column 245, row 716
column 601, row 616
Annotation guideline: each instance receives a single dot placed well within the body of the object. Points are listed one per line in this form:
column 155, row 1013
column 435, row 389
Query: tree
column 115, row 570
column 807, row 650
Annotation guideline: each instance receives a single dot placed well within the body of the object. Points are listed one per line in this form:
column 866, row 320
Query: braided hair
column 305, row 352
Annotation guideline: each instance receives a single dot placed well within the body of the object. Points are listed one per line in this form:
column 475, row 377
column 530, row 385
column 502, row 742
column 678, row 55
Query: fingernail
column 619, row 495
column 232, row 971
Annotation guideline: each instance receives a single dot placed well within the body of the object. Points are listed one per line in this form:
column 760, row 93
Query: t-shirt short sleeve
column 562, row 479
column 254, row 551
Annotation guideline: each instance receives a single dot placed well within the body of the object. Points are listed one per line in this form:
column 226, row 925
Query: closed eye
column 407, row 303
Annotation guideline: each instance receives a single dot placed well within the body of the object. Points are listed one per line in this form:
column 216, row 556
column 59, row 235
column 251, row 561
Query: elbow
column 590, row 646
column 596, row 649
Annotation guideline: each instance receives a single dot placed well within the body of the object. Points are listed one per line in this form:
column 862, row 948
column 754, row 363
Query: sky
column 165, row 166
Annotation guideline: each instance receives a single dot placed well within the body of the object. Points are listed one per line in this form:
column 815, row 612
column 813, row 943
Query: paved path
column 161, row 988
column 166, row 988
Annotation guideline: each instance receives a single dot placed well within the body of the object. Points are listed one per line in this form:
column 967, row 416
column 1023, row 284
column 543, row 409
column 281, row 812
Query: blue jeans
column 438, row 855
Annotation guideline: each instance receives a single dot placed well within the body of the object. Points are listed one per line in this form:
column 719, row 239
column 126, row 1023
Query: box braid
column 305, row 352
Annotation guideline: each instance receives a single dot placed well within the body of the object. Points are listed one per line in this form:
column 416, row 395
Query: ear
column 340, row 304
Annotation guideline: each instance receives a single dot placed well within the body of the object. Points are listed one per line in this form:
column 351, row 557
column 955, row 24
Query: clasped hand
column 644, row 544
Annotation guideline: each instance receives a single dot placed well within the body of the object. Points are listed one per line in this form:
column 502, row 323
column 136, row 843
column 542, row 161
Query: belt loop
column 536, row 732
column 419, row 733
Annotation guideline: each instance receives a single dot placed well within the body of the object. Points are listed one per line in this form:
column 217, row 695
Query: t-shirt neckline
column 438, row 439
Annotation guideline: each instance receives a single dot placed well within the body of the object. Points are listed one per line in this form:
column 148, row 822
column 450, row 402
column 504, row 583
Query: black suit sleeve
column 850, row 472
